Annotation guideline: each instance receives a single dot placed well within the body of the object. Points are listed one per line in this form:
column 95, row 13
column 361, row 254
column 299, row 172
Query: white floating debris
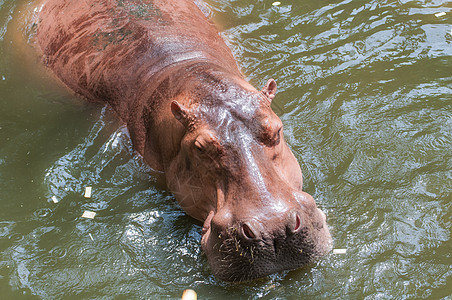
column 55, row 199
column 440, row 14
column 339, row 251
column 88, row 192
column 88, row 214
column 189, row 295
column 91, row 236
column 276, row 3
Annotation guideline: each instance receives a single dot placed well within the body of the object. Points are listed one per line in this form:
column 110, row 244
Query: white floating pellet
column 55, row 199
column 440, row 14
column 88, row 192
column 339, row 251
column 189, row 295
column 276, row 3
column 88, row 214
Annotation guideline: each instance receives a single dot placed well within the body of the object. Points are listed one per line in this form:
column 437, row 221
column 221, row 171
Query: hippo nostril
column 297, row 223
column 248, row 232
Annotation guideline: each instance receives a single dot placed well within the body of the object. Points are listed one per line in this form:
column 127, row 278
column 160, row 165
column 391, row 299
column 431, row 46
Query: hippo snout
column 246, row 248
column 253, row 230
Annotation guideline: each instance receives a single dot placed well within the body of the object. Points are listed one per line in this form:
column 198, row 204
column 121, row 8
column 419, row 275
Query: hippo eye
column 199, row 146
column 277, row 135
column 272, row 139
column 271, row 131
column 206, row 143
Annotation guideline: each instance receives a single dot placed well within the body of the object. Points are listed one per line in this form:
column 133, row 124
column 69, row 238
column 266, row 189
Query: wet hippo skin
column 165, row 71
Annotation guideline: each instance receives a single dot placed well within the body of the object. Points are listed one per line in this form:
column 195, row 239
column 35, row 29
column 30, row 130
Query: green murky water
column 365, row 90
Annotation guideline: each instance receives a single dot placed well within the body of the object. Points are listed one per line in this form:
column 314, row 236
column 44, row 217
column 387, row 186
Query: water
column 364, row 92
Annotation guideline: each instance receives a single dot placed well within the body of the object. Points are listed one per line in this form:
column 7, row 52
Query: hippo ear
column 179, row 112
column 269, row 89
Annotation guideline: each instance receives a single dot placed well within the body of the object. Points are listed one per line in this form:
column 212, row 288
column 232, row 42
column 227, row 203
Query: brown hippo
column 163, row 68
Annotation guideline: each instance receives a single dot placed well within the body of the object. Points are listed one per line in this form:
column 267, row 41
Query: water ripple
column 364, row 90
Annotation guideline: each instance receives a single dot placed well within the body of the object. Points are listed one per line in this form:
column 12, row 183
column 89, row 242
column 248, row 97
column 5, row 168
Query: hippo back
column 109, row 49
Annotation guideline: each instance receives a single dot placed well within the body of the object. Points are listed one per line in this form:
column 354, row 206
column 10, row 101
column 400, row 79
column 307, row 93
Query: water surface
column 364, row 92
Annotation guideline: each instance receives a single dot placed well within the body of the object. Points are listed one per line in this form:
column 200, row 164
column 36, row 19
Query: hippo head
column 235, row 172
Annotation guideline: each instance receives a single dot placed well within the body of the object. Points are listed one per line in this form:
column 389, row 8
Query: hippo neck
column 149, row 76
column 154, row 131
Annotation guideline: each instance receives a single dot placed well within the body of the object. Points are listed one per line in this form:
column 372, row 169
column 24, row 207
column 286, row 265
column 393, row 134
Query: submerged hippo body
column 165, row 71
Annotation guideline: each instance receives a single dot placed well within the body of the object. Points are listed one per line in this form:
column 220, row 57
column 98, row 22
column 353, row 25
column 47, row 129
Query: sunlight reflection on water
column 364, row 95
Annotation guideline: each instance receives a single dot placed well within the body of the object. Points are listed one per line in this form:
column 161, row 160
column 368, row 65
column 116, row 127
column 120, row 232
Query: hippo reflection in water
column 165, row 71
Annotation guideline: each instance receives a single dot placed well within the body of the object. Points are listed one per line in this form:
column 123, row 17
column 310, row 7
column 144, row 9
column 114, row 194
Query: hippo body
column 163, row 68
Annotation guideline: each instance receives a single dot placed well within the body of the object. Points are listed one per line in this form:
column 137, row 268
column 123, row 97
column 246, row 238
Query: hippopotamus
column 168, row 75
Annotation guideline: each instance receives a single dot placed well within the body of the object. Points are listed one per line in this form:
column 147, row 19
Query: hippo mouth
column 236, row 256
